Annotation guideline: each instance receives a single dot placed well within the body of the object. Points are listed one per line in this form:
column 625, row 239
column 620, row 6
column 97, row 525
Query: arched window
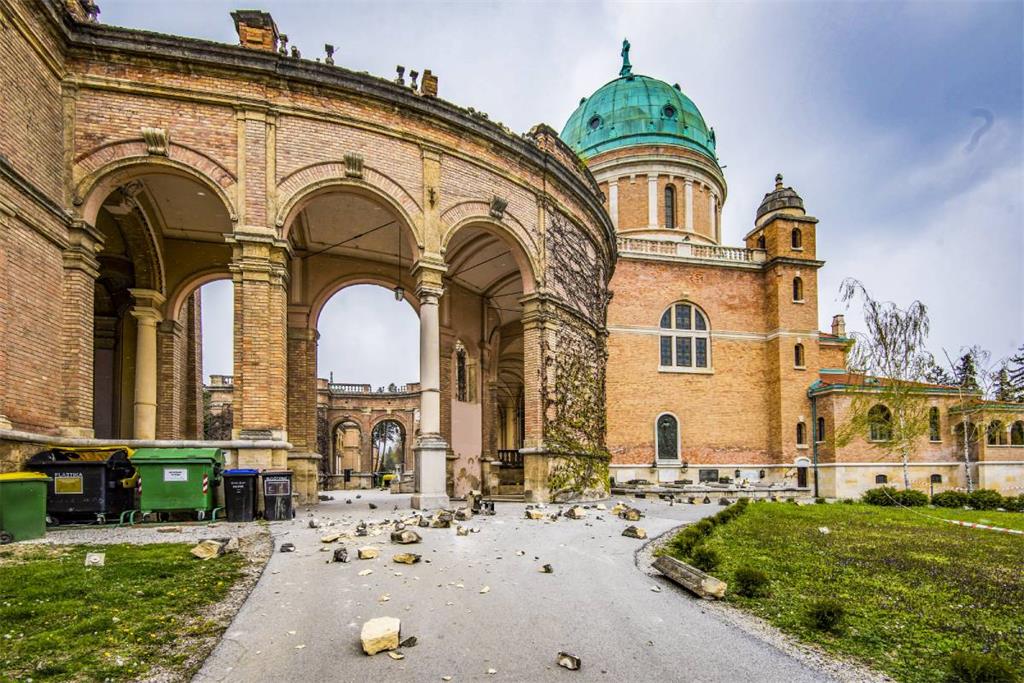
column 821, row 430
column 881, row 479
column 761, row 244
column 461, row 374
column 798, row 289
column 797, row 238
column 670, row 206
column 934, row 431
column 801, row 433
column 685, row 339
column 996, row 433
column 666, row 434
column 798, row 356
column 880, row 423
column 1017, row 433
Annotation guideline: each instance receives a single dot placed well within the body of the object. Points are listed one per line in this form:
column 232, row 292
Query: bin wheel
column 101, row 519
column 200, row 515
column 6, row 537
column 52, row 521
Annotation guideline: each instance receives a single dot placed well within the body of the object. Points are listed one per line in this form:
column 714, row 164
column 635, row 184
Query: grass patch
column 62, row 621
column 914, row 590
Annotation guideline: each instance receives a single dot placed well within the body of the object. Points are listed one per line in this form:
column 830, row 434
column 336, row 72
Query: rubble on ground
column 568, row 661
column 406, row 558
column 634, row 531
column 380, row 634
column 405, row 537
column 208, row 549
column 368, row 553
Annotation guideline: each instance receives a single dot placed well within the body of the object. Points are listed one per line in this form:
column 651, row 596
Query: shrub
column 751, row 582
column 883, row 495
column 1014, row 504
column 819, row 500
column 704, row 526
column 950, row 499
column 705, row 559
column 972, row 667
column 826, row 614
column 985, row 499
column 889, row 496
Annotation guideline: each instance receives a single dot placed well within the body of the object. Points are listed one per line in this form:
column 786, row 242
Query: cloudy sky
column 899, row 124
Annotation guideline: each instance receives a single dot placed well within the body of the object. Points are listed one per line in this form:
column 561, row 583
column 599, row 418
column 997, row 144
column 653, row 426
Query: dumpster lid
column 177, row 454
column 240, row 472
column 23, row 476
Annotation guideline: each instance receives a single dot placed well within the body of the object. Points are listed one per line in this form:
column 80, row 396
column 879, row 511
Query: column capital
column 536, row 310
column 84, row 243
column 146, row 305
column 429, row 272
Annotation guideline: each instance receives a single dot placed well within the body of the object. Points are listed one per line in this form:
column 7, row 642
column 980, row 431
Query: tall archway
column 389, row 446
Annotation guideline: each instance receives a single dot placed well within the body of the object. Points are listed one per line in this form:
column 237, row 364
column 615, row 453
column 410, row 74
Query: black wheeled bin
column 240, row 494
column 277, row 495
column 85, row 485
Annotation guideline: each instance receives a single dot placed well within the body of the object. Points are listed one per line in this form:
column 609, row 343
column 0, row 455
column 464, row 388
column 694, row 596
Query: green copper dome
column 637, row 110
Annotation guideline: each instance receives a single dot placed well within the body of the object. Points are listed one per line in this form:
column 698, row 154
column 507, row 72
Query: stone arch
column 522, row 253
column 97, row 183
column 350, row 280
column 405, row 424
column 184, row 289
column 305, row 184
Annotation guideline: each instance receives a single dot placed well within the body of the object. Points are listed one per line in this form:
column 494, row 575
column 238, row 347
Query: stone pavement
column 303, row 619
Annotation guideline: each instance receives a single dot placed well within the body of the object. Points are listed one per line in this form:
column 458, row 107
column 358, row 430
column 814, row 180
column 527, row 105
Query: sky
column 900, row 125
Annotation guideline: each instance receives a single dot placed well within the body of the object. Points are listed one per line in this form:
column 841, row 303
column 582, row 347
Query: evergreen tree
column 1015, row 368
column 966, row 372
column 1004, row 388
column 937, row 374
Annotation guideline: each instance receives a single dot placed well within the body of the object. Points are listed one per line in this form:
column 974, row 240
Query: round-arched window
column 685, row 338
column 667, row 437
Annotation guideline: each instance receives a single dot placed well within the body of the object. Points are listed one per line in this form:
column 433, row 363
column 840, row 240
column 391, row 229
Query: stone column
column 302, row 394
column 260, row 339
column 613, row 202
column 81, row 268
column 652, row 200
column 430, row 449
column 146, row 311
column 689, row 204
column 538, row 334
column 170, row 378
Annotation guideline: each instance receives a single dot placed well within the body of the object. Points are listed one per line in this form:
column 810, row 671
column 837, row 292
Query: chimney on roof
column 428, row 86
column 838, row 325
column 256, row 29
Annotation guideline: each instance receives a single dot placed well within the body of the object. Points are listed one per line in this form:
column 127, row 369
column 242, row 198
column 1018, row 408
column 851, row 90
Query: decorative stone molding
column 157, row 140
column 353, row 166
column 498, row 206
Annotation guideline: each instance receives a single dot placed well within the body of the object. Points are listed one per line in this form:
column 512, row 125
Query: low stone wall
column 684, row 493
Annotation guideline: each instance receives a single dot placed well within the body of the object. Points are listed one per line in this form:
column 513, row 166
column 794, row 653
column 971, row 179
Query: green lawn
column 915, row 589
column 62, row 621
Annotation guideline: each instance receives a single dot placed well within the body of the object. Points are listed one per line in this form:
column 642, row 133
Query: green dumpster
column 22, row 506
column 178, row 479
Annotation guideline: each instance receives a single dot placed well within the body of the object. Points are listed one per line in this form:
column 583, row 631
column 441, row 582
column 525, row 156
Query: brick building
column 716, row 367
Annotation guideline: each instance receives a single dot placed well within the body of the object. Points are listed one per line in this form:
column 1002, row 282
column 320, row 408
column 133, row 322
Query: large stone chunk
column 575, row 512
column 634, row 531
column 406, row 558
column 368, row 553
column 380, row 634
column 631, row 514
column 535, row 514
column 690, row 578
column 405, row 537
column 208, row 549
column 463, row 514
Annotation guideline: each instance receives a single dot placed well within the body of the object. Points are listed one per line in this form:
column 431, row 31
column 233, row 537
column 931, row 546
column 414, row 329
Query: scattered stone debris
column 422, row 522
column 463, row 514
column 724, row 501
column 600, row 506
column 442, row 520
column 396, row 655
column 568, row 661
column 446, row 678
column 330, row 538
column 168, row 529
column 208, row 549
column 491, row 672
column 824, row 530
column 547, row 569
column 232, row 545
column 287, row 547
column 366, row 572
column 534, row 514
column 631, row 514
column 634, row 531
column 619, row 508
column 95, row 559
column 314, row 522
column 461, row 530
column 380, row 635
column 373, row 506
column 409, row 642
column 406, row 558
column 368, row 553
column 405, row 537
column 655, row 589
column 348, row 501
column 325, row 497
column 341, row 554
column 575, row 512
column 485, row 589
column 707, row 501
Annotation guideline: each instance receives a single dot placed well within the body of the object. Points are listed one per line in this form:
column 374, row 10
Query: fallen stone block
column 568, row 661
column 368, row 553
column 287, row 547
column 575, row 512
column 547, row 569
column 208, row 549
column 380, row 634
column 631, row 515
column 423, row 522
column 341, row 554
column 405, row 537
column 619, row 509
column 461, row 531
column 314, row 523
column 633, row 531
column 406, row 558
column 692, row 579
column 535, row 514
column 442, row 520
column 231, row 546
column 168, row 529
column 463, row 514
column 330, row 538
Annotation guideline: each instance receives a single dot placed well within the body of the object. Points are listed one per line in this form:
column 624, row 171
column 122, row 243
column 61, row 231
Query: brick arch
column 361, row 424
column 524, row 255
column 350, row 280
column 480, row 210
column 298, row 188
column 184, row 289
column 404, row 419
column 114, row 164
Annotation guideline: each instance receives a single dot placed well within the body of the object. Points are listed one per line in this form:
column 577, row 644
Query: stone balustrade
column 690, row 250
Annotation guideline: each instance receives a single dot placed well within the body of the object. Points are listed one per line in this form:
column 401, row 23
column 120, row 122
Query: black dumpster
column 85, row 485
column 240, row 494
column 277, row 495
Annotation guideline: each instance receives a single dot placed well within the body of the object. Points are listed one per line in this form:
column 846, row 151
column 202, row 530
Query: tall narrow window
column 798, row 356
column 685, row 342
column 801, row 433
column 461, row 379
column 996, row 433
column 934, row 433
column 797, row 238
column 798, row 289
column 1017, row 434
column 667, row 435
column 761, row 244
column 820, row 436
column 670, row 206
column 880, row 423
